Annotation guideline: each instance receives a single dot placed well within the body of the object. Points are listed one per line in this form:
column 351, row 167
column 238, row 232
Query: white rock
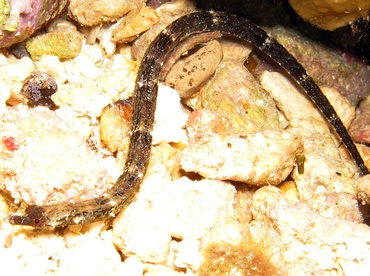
column 170, row 118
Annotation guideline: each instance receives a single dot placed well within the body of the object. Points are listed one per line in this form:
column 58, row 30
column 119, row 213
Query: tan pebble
column 95, row 12
column 115, row 122
column 59, row 24
column 135, row 23
column 235, row 50
column 187, row 76
column 91, row 34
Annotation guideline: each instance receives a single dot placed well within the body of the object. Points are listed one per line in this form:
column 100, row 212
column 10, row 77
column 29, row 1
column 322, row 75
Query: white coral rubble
column 262, row 159
column 197, row 190
column 304, row 241
column 51, row 162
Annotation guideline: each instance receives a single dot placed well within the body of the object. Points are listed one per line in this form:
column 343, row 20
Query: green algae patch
column 235, row 94
column 65, row 44
column 4, row 13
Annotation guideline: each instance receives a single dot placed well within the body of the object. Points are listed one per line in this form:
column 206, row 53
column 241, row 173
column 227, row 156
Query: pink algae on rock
column 20, row 19
column 328, row 67
column 360, row 127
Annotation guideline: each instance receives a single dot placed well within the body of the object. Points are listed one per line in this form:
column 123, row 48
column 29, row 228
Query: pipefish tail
column 144, row 104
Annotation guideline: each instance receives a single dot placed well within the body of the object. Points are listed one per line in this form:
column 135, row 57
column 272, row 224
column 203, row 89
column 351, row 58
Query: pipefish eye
column 35, row 214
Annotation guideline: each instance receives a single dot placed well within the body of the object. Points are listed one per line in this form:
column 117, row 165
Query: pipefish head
column 34, row 217
column 57, row 215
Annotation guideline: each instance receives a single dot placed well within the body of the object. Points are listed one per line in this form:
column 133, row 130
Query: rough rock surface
column 326, row 66
column 360, row 127
column 260, row 159
column 234, row 93
column 27, row 168
column 315, row 244
column 94, row 12
column 331, row 14
column 133, row 24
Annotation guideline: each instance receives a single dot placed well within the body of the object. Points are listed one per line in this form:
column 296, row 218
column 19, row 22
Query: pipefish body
column 144, row 104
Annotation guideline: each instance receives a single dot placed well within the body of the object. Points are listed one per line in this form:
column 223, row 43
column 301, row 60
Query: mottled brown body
column 144, row 104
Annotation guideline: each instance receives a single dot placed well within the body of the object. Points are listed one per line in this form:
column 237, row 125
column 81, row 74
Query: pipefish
column 144, row 104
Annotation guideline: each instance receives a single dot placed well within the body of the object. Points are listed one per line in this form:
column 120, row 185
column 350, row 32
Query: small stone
column 235, row 94
column 360, row 127
column 38, row 90
column 186, row 76
column 64, row 43
column 135, row 23
column 234, row 50
column 95, row 12
column 115, row 124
